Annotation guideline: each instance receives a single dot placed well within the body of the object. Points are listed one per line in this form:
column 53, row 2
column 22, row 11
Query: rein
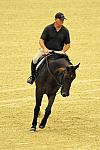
column 51, row 72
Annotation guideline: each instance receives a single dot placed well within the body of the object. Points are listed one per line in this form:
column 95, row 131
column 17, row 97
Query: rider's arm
column 43, row 38
column 66, row 41
column 66, row 47
column 41, row 42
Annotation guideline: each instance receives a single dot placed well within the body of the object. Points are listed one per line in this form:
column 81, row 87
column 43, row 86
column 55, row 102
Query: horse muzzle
column 65, row 94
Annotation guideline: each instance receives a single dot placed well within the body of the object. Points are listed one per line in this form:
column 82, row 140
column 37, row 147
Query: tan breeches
column 38, row 55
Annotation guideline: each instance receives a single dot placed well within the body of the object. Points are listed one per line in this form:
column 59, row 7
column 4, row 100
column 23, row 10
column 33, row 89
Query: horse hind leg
column 47, row 111
column 36, row 109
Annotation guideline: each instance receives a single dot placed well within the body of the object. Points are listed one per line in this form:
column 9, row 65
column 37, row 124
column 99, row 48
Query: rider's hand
column 46, row 51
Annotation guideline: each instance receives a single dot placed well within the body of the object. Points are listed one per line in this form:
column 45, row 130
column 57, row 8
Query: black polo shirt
column 54, row 40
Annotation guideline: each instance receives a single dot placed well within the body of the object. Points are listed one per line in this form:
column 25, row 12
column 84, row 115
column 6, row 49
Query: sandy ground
column 75, row 121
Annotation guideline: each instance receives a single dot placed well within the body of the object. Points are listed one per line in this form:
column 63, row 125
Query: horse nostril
column 64, row 95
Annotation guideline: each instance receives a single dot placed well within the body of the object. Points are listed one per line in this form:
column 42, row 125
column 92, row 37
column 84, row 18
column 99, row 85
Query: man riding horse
column 54, row 37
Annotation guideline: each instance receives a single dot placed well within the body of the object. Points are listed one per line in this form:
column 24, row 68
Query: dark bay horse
column 55, row 74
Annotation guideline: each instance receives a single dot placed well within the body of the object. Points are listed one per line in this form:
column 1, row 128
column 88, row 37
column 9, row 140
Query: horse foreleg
column 47, row 111
column 36, row 109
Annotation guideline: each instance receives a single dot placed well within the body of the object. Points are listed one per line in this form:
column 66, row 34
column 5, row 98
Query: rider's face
column 59, row 22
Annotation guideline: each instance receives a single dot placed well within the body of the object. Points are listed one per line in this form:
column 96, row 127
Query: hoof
column 33, row 129
column 41, row 126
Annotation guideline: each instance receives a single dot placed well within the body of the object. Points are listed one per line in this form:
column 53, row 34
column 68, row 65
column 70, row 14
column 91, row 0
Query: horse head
column 69, row 74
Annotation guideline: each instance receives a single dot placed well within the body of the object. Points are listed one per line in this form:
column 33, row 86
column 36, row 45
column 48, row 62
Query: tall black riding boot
column 31, row 79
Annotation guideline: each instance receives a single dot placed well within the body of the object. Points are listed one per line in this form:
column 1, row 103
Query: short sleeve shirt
column 54, row 40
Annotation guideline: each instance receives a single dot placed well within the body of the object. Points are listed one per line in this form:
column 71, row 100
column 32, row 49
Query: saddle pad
column 40, row 62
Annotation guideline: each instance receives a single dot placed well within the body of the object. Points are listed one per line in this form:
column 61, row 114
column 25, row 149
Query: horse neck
column 59, row 63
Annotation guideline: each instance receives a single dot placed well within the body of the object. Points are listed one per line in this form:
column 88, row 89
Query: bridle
column 55, row 78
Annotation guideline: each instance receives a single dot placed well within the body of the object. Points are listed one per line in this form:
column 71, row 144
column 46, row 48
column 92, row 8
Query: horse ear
column 76, row 66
